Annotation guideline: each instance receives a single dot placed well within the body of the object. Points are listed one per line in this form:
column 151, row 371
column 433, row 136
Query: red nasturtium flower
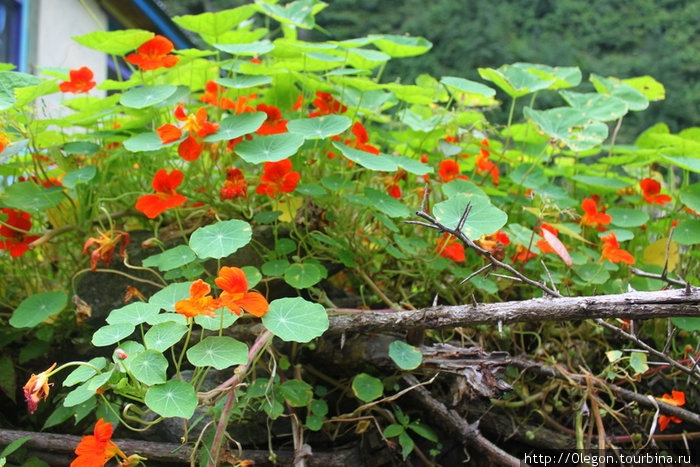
column 14, row 229
column 592, row 216
column 235, row 185
column 392, row 183
column 650, row 191
column 449, row 170
column 522, row 254
column 484, row 165
column 450, row 248
column 212, row 95
column 37, row 388
column 196, row 125
column 106, row 242
column 199, row 303
column 235, row 295
column 361, row 139
column 299, row 102
column 676, row 399
column 153, row 54
column 165, row 197
column 326, row 105
column 612, row 251
column 278, row 177
column 3, row 141
column 96, row 449
column 80, row 81
column 273, row 124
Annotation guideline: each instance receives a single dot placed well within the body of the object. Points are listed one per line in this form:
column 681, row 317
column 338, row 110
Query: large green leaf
column 133, row 313
column 634, row 99
column 515, row 81
column 170, row 259
column 628, row 217
column 167, row 297
column 172, row 399
column 272, row 148
column 400, row 46
column 648, row 86
column 690, row 196
column 688, row 163
column 465, row 85
column 386, row 204
column 367, row 387
column 164, row 335
column 214, row 24
column 299, row 13
column 366, row 159
column 220, row 239
column 483, row 219
column 111, row 334
column 564, row 77
column 601, row 107
column 569, row 125
column 254, row 48
column 237, row 125
column 295, row 319
column 223, row 319
column 29, row 196
column 9, row 80
column 687, row 232
column 36, row 308
column 114, row 42
column 146, row 96
column 417, row 123
column 319, row 127
column 149, row 141
column 149, row 367
column 219, row 352
column 76, row 177
column 244, row 82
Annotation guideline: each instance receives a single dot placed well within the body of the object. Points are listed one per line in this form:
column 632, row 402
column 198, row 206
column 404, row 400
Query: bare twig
column 640, row 273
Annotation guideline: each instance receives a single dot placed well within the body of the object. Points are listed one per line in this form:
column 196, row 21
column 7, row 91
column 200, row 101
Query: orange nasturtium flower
column 212, row 95
column 235, row 295
column 80, row 81
column 326, row 105
column 449, row 170
column 235, row 185
column 450, row 248
column 592, row 216
column 14, row 229
column 612, row 251
column 484, row 165
column 199, row 303
column 676, row 400
column 278, row 177
column 165, row 197
column 273, row 124
column 96, row 449
column 4, row 141
column 196, row 125
column 543, row 244
column 106, row 243
column 650, row 191
column 37, row 388
column 153, row 54
column 522, row 254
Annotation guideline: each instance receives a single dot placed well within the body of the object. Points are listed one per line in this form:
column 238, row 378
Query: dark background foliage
column 609, row 37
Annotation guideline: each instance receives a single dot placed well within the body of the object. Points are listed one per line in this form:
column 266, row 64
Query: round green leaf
column 114, row 42
column 29, row 196
column 172, row 399
column 386, row 204
column 569, row 125
column 252, row 275
column 297, row 393
column 275, row 268
column 254, row 48
column 215, row 24
column 220, row 239
column 167, row 297
column 515, row 81
column 368, row 160
column 140, row 98
column 687, row 232
column 465, row 85
column 295, row 319
column 596, row 106
column 303, row 275
column 132, row 349
column 149, row 141
column 111, row 334
column 36, row 308
column 272, row 148
column 83, row 373
column 401, row 46
column 483, row 219
column 74, row 177
column 237, row 125
column 634, row 99
column 170, row 259
column 592, row 273
column 244, row 81
column 320, row 127
column 687, row 324
column 80, row 147
column 219, row 352
column 367, row 387
column 164, row 335
column 223, row 319
column 149, row 367
column 133, row 313
column 628, row 217
column 405, row 356
column 690, row 196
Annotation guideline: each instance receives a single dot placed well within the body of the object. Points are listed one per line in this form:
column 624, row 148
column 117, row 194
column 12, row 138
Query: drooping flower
column 235, row 295
column 96, row 449
column 106, row 243
column 278, row 177
column 165, row 197
column 676, row 399
column 392, row 183
column 15, row 230
column 80, row 81
column 361, row 139
column 212, row 95
column 199, row 302
column 235, row 185
column 238, row 105
column 592, row 216
column 326, row 105
column 449, row 170
column 153, row 54
column 196, row 125
column 273, row 124
column 612, row 251
column 495, row 243
column 650, row 191
column 37, row 388
column 450, row 248
column 522, row 254
column 484, row 165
